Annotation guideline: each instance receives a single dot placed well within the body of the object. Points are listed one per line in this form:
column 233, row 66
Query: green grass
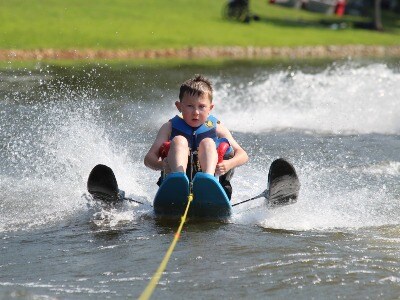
column 155, row 24
column 159, row 63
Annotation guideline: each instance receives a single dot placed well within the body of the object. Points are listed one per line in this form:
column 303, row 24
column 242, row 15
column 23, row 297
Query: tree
column 378, row 15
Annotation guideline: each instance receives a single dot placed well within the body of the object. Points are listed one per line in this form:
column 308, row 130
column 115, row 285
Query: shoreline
column 234, row 52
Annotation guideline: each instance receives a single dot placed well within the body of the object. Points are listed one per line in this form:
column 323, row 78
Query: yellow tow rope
column 157, row 275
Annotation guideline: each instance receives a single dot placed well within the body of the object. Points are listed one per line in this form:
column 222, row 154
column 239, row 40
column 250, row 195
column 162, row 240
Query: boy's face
column 195, row 109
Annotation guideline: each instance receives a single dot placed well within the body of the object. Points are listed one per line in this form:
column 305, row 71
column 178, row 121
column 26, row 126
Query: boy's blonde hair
column 199, row 85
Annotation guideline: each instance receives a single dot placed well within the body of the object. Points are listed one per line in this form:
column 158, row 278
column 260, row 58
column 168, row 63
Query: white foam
column 390, row 168
column 323, row 203
column 340, row 100
column 53, row 160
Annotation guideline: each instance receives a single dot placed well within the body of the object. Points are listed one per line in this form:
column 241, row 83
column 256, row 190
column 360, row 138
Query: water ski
column 209, row 198
column 283, row 184
column 102, row 184
column 172, row 195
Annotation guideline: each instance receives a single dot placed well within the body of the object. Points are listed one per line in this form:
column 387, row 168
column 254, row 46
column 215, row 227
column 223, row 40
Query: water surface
column 338, row 123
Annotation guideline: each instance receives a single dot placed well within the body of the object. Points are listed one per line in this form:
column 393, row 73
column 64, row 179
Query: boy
column 194, row 137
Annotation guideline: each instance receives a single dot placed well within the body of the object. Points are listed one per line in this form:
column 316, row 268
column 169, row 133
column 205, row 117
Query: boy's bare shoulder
column 165, row 129
column 167, row 125
column 222, row 131
column 221, row 127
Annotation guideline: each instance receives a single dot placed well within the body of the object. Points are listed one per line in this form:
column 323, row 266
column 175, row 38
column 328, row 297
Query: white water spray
column 341, row 100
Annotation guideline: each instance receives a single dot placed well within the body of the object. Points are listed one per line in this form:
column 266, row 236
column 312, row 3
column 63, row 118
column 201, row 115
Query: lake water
column 338, row 123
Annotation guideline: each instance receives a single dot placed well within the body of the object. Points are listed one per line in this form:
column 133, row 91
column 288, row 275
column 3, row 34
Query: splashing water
column 339, row 100
column 319, row 121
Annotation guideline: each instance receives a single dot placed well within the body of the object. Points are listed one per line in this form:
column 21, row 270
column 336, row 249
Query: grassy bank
column 159, row 24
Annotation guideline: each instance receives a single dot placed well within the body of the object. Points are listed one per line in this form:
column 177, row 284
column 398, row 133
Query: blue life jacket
column 195, row 135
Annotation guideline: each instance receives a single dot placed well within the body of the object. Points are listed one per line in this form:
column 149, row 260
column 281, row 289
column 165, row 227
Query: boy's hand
column 222, row 168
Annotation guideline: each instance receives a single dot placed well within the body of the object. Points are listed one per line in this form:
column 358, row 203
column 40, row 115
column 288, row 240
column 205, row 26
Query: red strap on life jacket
column 221, row 150
column 163, row 152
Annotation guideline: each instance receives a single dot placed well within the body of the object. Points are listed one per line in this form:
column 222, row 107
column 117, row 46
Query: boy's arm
column 152, row 160
column 238, row 159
